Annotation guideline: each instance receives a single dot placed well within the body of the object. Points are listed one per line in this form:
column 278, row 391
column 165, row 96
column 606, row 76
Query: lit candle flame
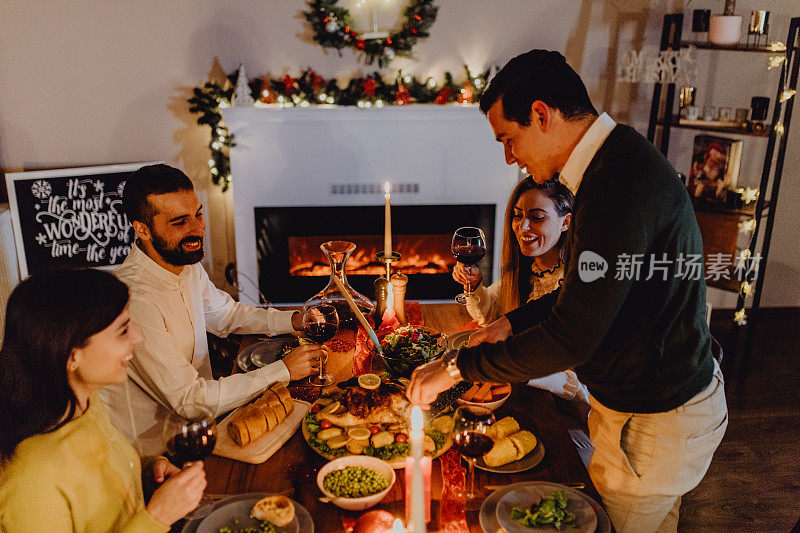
column 387, row 187
column 397, row 527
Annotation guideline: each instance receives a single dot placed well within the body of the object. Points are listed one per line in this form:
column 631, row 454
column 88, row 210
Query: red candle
column 425, row 465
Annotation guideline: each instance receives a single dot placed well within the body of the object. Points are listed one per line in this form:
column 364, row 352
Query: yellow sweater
column 83, row 477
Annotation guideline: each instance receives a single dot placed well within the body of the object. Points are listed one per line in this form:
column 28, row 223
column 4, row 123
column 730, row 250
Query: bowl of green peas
column 355, row 482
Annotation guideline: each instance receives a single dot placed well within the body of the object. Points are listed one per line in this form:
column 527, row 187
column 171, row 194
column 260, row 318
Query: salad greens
column 551, row 510
column 408, row 347
column 265, row 527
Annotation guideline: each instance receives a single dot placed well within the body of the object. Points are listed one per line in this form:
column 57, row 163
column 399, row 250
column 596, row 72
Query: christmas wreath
column 333, row 28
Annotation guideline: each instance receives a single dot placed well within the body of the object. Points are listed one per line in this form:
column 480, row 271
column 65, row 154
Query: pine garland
column 310, row 89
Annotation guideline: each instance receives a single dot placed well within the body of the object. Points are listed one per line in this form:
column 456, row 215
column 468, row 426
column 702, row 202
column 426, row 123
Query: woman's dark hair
column 151, row 179
column 538, row 75
column 47, row 316
column 514, row 287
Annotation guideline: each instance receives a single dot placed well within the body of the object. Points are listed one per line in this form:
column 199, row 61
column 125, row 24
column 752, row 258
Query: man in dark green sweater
column 630, row 317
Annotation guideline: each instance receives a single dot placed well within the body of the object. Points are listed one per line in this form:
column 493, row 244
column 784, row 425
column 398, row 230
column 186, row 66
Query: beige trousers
column 643, row 463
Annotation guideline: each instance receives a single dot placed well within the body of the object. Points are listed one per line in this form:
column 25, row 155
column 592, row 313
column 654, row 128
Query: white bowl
column 487, row 405
column 356, row 504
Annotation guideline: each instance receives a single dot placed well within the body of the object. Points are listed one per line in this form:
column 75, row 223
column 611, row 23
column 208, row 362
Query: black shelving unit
column 663, row 119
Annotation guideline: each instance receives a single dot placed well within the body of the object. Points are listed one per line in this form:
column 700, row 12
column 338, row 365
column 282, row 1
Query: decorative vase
column 725, row 29
column 337, row 253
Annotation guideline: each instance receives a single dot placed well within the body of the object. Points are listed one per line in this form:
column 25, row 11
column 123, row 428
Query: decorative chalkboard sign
column 70, row 217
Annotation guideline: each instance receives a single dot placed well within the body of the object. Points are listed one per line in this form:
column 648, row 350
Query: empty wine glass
column 468, row 247
column 191, row 437
column 320, row 324
column 471, row 440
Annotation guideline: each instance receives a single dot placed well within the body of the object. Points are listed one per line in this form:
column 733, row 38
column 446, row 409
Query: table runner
column 452, row 514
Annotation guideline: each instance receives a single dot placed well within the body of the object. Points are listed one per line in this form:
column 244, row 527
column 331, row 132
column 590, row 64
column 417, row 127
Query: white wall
column 106, row 81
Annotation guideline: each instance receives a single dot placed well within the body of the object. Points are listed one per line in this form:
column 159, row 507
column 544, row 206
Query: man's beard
column 177, row 256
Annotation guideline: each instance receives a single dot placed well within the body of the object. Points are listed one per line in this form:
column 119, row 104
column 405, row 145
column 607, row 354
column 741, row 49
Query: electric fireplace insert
column 292, row 268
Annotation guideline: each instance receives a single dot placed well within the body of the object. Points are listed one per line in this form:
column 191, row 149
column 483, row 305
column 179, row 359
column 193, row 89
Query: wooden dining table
column 292, row 469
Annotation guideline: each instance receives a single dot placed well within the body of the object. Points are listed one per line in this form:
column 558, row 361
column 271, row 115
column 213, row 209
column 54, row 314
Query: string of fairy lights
column 310, row 89
column 748, row 195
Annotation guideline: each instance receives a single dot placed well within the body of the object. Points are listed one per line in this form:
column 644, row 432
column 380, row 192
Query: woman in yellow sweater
column 63, row 466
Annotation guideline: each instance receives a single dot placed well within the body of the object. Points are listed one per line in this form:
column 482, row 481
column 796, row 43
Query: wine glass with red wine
column 320, row 324
column 468, row 247
column 471, row 440
column 192, row 437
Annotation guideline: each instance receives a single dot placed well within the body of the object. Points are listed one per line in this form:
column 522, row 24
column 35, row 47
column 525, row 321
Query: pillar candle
column 425, row 466
column 417, row 481
column 387, row 226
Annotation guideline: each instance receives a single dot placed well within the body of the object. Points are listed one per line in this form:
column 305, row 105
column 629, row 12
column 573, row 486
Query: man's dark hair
column 151, row 179
column 538, row 75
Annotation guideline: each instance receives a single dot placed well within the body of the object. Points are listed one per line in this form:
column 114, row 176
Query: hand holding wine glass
column 471, row 440
column 192, row 437
column 468, row 247
column 320, row 324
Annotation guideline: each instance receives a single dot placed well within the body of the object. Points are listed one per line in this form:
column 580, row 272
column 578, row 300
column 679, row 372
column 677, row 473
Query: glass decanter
column 337, row 253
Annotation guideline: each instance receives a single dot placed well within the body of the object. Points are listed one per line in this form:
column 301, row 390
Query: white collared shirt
column 170, row 367
column 583, row 153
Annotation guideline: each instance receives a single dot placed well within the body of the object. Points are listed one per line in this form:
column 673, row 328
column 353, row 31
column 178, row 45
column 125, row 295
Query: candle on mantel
column 417, row 482
column 387, row 226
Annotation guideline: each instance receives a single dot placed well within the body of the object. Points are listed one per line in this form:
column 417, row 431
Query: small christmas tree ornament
column 241, row 95
column 445, row 93
column 369, row 87
column 268, row 96
column 289, row 85
column 402, row 95
column 465, row 96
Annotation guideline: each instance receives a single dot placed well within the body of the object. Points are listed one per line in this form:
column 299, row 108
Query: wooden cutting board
column 260, row 449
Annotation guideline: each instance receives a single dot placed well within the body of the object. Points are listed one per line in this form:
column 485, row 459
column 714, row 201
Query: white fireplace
column 340, row 157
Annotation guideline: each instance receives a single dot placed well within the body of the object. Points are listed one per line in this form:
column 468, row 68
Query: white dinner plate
column 234, row 512
column 262, row 353
column 488, row 518
column 525, row 497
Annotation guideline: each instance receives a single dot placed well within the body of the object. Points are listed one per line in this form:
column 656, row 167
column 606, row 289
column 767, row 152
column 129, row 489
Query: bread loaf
column 503, row 452
column 503, row 428
column 510, row 448
column 254, row 420
column 276, row 509
column 524, row 441
column 238, row 433
column 276, row 405
column 283, row 395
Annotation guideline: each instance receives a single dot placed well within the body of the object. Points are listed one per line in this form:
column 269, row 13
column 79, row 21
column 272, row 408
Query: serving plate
column 528, row 461
column 458, row 340
column 400, row 462
column 234, row 512
column 262, row 353
column 488, row 516
column 524, row 497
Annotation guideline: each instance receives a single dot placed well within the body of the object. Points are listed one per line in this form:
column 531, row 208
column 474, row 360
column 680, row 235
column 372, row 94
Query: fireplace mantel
column 339, row 156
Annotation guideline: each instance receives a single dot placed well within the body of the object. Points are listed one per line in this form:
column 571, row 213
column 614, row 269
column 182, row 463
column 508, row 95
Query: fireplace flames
column 420, row 254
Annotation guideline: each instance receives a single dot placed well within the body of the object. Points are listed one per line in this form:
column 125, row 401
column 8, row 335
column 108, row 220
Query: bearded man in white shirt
column 174, row 303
